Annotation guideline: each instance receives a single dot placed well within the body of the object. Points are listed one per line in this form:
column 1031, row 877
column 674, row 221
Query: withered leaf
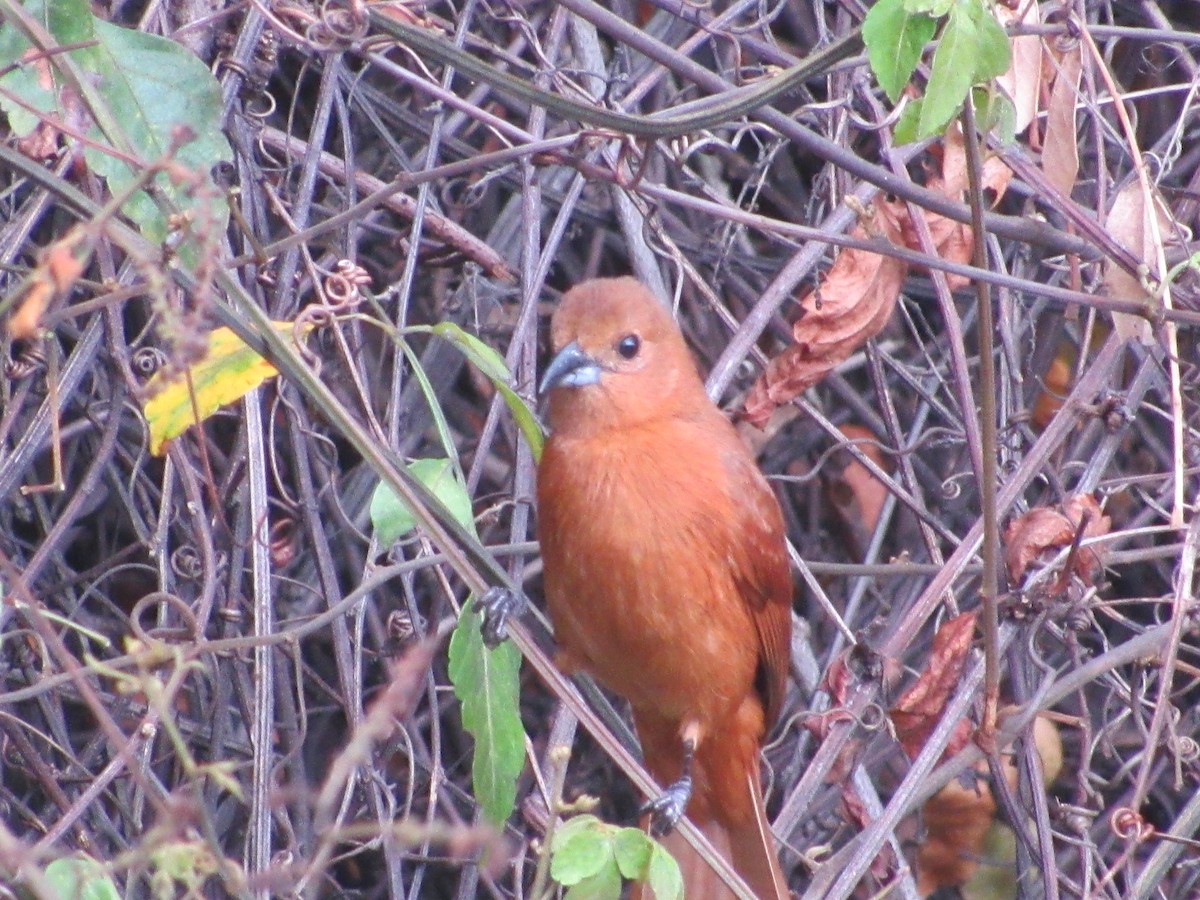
column 957, row 820
column 1129, row 223
column 916, row 714
column 958, row 817
column 1023, row 80
column 850, row 306
column 953, row 240
column 856, row 298
column 838, row 680
column 57, row 271
column 854, row 811
column 1060, row 146
column 1046, row 528
column 854, row 494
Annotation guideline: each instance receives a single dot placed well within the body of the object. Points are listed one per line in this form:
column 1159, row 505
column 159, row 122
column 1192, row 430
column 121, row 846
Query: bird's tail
column 749, row 847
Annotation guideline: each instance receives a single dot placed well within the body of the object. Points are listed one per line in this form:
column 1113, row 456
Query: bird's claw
column 497, row 606
column 667, row 808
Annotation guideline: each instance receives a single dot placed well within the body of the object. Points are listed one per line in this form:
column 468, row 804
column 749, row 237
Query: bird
column 666, row 571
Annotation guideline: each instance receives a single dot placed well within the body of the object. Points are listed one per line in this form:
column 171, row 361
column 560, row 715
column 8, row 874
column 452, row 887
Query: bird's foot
column 497, row 606
column 667, row 808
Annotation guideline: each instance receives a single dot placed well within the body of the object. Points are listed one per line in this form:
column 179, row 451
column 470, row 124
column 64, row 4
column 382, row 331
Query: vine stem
column 989, row 589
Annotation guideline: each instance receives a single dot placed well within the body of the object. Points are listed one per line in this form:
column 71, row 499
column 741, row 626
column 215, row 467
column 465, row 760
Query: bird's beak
column 570, row 368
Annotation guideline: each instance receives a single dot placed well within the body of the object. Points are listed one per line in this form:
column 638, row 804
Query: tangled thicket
column 188, row 662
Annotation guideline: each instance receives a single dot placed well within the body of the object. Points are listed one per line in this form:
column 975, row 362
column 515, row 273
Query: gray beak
column 570, row 368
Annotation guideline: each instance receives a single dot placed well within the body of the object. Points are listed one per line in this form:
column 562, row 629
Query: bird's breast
column 640, row 579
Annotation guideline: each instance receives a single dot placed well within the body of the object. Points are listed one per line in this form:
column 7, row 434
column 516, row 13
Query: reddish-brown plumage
column 666, row 567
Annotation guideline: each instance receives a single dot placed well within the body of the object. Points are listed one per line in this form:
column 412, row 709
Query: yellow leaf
column 228, row 371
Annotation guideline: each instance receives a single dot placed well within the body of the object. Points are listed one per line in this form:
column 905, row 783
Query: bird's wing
column 763, row 574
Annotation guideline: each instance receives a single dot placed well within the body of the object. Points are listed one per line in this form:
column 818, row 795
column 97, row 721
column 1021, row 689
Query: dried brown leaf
column 1023, row 80
column 916, row 714
column 1055, row 386
column 1060, row 146
column 952, row 240
column 839, row 678
column 56, row 273
column 1029, row 535
column 957, row 818
column 854, row 811
column 838, row 681
column 850, row 306
column 1129, row 224
column 853, row 493
column 1044, row 529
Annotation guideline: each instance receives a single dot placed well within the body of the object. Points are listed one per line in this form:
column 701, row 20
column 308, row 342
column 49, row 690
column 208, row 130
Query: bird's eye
column 629, row 346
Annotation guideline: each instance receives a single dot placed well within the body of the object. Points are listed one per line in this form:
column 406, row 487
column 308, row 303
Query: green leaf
column 665, row 878
column 391, row 517
column 228, row 371
column 936, row 8
column 571, row 827
column 70, row 21
column 581, row 852
column 152, row 87
column 484, row 358
column 604, row 885
column 993, row 53
column 492, row 365
column 953, row 71
column 895, row 38
column 632, row 849
column 80, row 878
column 181, row 864
column 995, row 114
column 905, row 131
column 525, row 419
column 486, row 683
column 445, row 435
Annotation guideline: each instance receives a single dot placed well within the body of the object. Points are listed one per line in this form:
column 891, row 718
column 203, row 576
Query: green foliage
column 80, row 878
column 492, row 365
column 485, row 681
column 995, row 114
column 391, row 517
column 487, row 685
column 590, row 857
column 895, row 39
column 972, row 49
column 151, row 87
column 181, row 868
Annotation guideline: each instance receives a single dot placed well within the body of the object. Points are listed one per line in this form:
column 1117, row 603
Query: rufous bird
column 666, row 569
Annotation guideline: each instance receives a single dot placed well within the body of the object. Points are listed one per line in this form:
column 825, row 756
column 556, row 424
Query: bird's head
column 619, row 360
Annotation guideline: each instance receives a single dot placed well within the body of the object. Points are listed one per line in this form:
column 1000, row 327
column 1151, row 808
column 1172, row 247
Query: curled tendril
column 873, row 718
column 951, row 488
column 148, row 360
column 400, row 627
column 186, row 563
column 190, row 631
column 1188, row 748
column 1129, row 824
column 29, row 361
column 345, row 21
column 282, row 541
column 260, row 107
column 314, row 317
column 229, row 612
column 342, row 285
